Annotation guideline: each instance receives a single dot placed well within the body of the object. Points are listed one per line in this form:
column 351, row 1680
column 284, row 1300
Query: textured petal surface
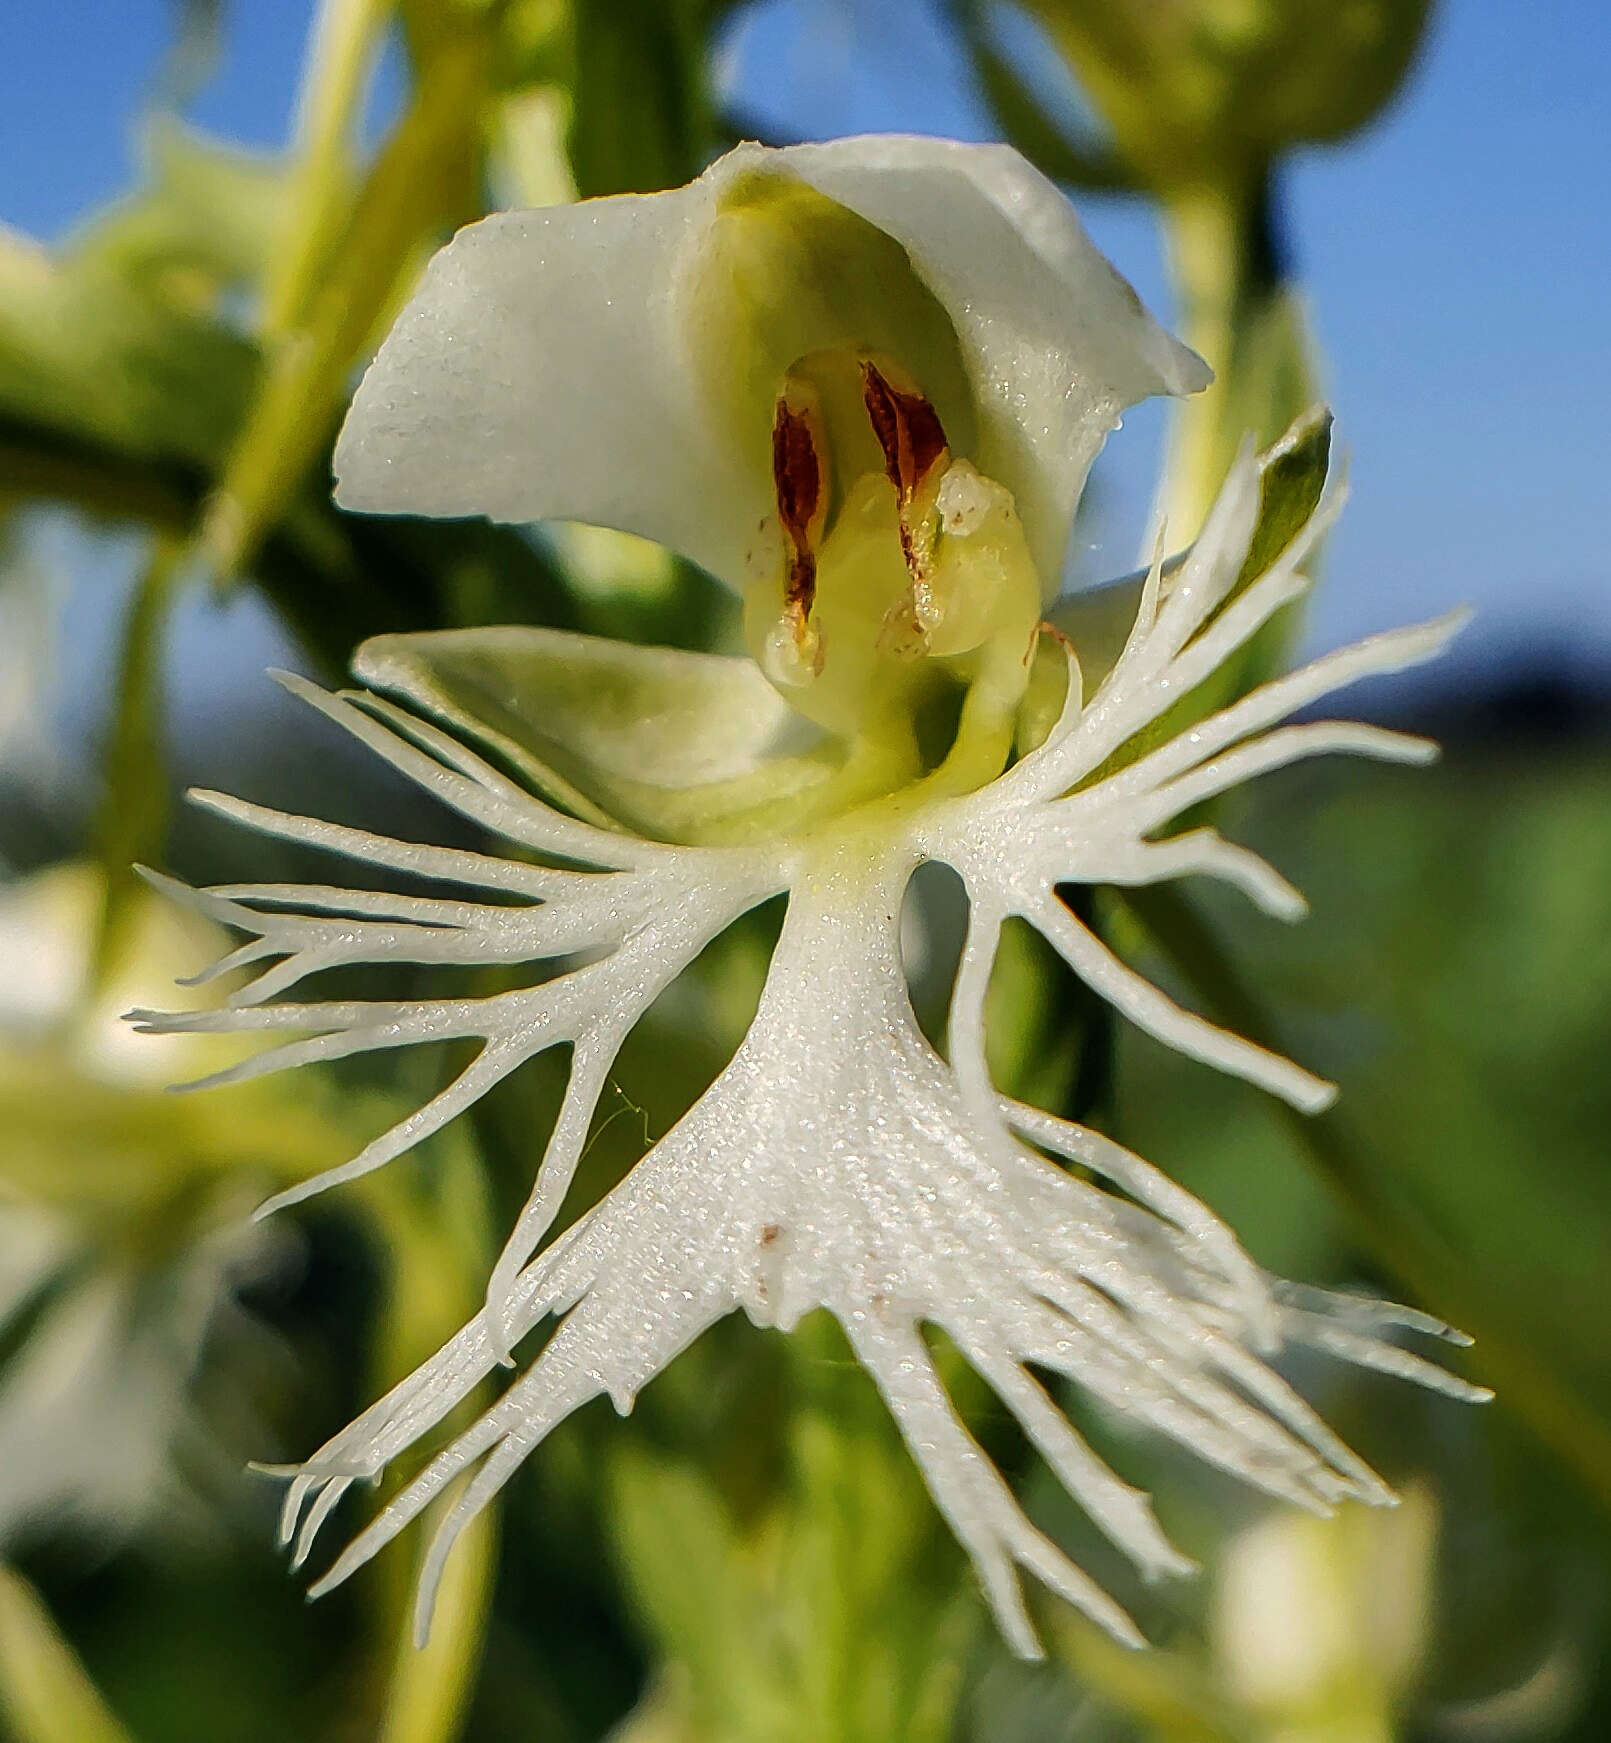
column 540, row 371
column 839, row 1162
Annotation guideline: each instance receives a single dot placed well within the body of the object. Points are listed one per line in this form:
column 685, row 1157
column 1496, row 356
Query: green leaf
column 1431, row 1156
column 132, row 824
column 656, row 739
column 46, row 1694
column 1024, row 120
column 684, row 1559
column 640, row 115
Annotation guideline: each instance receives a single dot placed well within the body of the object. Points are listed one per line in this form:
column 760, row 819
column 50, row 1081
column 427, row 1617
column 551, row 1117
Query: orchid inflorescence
column 862, row 382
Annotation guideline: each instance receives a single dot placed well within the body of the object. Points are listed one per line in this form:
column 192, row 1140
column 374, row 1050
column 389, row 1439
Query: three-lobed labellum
column 839, row 1161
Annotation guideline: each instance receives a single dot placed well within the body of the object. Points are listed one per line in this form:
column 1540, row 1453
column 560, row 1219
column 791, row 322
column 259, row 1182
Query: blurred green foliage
column 752, row 1556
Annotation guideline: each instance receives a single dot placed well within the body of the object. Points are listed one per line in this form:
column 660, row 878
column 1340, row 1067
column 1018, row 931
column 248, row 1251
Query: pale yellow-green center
column 899, row 579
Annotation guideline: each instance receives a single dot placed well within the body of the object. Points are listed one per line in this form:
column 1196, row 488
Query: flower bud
column 1197, row 89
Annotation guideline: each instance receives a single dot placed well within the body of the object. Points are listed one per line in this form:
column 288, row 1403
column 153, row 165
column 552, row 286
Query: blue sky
column 1456, row 259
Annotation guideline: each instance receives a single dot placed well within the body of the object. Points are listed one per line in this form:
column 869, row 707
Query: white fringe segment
column 612, row 932
column 838, row 1162
column 1057, row 818
column 857, row 1173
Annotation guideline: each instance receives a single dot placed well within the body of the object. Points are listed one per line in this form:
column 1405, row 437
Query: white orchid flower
column 120, row 1262
column 864, row 383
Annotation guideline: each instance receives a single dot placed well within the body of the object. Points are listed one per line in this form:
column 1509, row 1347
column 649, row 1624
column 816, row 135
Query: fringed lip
column 839, row 1161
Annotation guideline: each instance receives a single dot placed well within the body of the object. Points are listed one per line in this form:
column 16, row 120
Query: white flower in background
column 117, row 1266
column 1321, row 1627
column 863, row 382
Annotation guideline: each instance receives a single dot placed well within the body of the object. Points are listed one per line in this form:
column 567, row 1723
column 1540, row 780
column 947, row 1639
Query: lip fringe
column 839, row 1161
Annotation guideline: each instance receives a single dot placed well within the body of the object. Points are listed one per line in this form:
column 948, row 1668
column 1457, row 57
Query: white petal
column 635, row 929
column 1056, row 343
column 837, row 1162
column 539, row 371
column 559, row 364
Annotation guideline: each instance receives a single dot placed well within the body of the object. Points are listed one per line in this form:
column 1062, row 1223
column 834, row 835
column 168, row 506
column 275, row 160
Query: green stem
column 414, row 189
column 431, row 1686
column 1404, row 1241
column 132, row 825
column 1225, row 262
column 340, row 52
column 439, row 1249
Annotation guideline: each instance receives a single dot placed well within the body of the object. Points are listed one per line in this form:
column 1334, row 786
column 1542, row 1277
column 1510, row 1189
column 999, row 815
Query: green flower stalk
column 863, row 383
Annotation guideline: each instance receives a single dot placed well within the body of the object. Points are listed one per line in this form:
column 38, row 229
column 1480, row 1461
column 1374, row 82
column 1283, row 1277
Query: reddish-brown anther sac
column 798, row 474
column 912, row 439
column 908, row 430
